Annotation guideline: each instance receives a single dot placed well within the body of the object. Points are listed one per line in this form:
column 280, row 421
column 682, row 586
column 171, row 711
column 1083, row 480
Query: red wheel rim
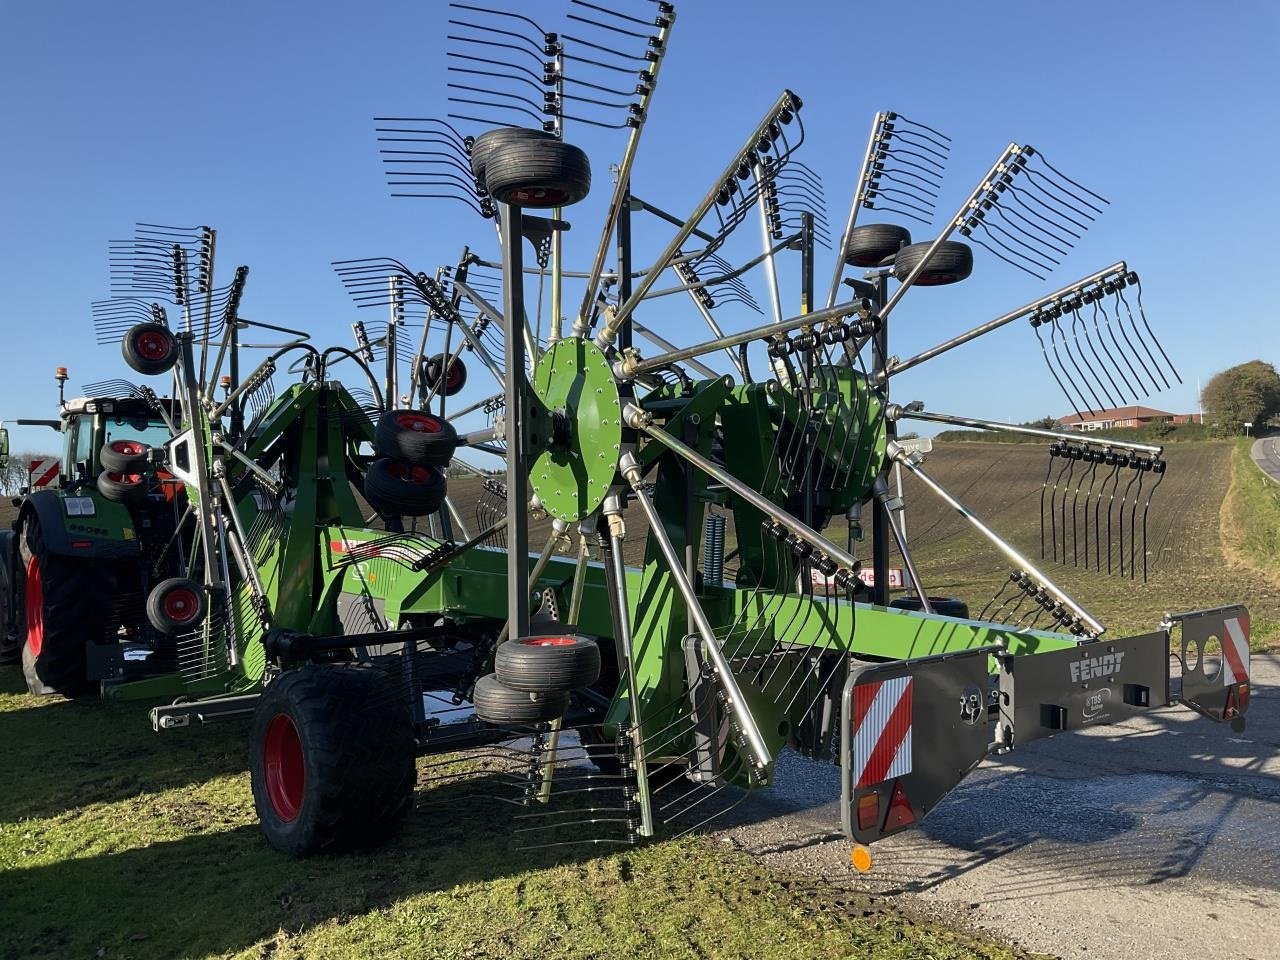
column 180, row 604
column 126, row 479
column 283, row 769
column 417, row 422
column 152, row 344
column 409, row 474
column 130, row 448
column 548, row 641
column 35, row 607
column 540, row 196
column 455, row 375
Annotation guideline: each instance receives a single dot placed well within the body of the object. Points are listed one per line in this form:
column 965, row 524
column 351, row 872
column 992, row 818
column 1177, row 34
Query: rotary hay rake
column 603, row 699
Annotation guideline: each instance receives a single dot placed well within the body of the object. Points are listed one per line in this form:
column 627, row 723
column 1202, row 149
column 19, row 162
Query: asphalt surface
column 1266, row 454
column 1152, row 837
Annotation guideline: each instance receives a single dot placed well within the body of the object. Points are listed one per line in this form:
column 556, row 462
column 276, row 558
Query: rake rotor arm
column 855, row 205
column 1116, row 269
column 665, row 344
column 896, row 412
column 786, row 102
column 901, row 455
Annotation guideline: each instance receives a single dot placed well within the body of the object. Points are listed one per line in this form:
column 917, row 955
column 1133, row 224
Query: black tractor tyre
column 454, row 381
column 13, row 630
column 950, row 263
column 398, row 489
column 124, row 456
column 490, row 140
column 870, row 244
column 150, row 348
column 123, row 487
column 416, row 437
column 549, row 664
column 67, row 605
column 331, row 758
column 943, row 606
column 176, row 605
column 498, row 704
column 538, row 173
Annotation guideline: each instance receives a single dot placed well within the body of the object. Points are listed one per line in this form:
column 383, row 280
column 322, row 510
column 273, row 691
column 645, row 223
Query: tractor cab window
column 79, row 440
column 154, row 433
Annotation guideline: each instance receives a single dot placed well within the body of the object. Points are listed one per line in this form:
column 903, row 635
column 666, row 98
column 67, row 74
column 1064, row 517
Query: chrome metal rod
column 699, row 617
column 477, row 436
column 488, row 310
column 900, row 538
column 715, row 329
column 610, row 331
column 666, row 344
column 900, row 455
column 1117, row 268
column 637, row 419
column 746, row 336
column 623, row 625
column 854, row 206
column 622, row 181
column 950, row 228
column 996, row 425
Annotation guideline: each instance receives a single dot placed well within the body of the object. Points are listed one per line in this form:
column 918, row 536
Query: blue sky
column 256, row 119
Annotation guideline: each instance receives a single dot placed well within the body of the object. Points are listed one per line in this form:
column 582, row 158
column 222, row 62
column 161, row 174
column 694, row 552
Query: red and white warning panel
column 1235, row 649
column 1216, row 686
column 41, row 473
column 913, row 729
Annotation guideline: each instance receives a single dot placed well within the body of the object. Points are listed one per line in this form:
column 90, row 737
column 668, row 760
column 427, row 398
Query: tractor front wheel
column 67, row 604
column 331, row 759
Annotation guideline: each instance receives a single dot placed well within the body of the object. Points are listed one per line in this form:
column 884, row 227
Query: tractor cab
column 89, row 424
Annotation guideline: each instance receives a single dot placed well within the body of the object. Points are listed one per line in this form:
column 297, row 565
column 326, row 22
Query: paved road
column 1266, row 454
column 1154, row 837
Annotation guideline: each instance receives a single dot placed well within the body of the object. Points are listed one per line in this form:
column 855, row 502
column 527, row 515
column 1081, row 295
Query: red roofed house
column 1124, row 417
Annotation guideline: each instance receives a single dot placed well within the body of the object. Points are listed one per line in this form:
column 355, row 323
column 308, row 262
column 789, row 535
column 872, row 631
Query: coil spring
column 713, row 549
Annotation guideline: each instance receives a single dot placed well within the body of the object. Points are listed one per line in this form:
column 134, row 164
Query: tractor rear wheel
column 67, row 602
column 331, row 759
column 12, row 629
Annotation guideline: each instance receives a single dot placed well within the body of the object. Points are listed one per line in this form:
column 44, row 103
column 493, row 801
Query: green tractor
column 91, row 588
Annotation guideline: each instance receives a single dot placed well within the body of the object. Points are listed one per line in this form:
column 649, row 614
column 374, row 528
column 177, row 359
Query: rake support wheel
column 498, row 704
column 870, row 244
column 150, row 348
column 548, row 665
column 538, row 173
column 950, row 263
column 124, row 456
column 122, row 487
column 331, row 759
column 484, row 145
column 403, row 489
column 176, row 604
column 416, row 437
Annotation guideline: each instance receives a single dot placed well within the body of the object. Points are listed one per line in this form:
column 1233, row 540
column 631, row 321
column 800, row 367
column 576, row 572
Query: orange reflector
column 860, row 857
column 868, row 810
column 900, row 812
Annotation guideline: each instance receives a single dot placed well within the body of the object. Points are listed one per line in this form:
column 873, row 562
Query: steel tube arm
column 905, row 413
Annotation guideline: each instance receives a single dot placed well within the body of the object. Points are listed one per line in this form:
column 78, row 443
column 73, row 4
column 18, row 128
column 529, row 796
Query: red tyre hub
column 180, row 605
column 549, row 641
column 35, row 607
column 283, row 768
column 410, row 474
column 152, row 345
column 417, row 422
column 128, row 448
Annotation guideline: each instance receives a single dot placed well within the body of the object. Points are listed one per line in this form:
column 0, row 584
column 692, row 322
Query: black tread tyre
column 124, row 456
column 66, row 603
column 498, row 704
column 454, row 381
column 176, row 604
column 943, row 606
column 416, row 437
column 399, row 489
column 150, row 348
column 331, row 759
column 549, row 664
column 538, row 173
column 484, row 145
column 870, row 244
column 950, row 263
column 13, row 631
column 122, row 487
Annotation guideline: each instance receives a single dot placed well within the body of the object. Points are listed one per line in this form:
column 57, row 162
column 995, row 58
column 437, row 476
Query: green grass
column 116, row 842
column 1251, row 530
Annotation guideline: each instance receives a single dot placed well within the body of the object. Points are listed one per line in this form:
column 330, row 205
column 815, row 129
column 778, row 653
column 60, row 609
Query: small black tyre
column 484, row 145
column 548, row 664
column 454, row 381
column 538, row 173
column 416, row 437
column 124, row 456
column 870, row 244
column 176, row 605
column 950, row 263
column 943, row 606
column 399, row 489
column 122, row 487
column 331, row 758
column 67, row 605
column 498, row 704
column 150, row 348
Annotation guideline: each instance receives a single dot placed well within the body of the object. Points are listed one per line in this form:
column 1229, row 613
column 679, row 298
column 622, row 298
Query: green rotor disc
column 575, row 429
